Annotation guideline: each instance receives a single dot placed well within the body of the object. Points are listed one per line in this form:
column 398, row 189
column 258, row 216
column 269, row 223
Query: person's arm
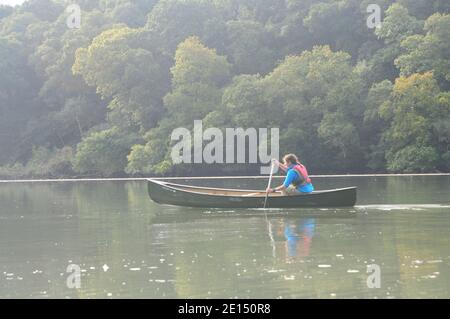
column 280, row 165
column 278, row 189
column 287, row 181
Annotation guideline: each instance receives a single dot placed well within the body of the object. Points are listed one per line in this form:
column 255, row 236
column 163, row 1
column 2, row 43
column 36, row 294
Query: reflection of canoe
column 193, row 196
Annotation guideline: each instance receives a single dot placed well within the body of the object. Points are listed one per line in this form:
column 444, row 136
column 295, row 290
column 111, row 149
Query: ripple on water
column 412, row 207
column 275, row 270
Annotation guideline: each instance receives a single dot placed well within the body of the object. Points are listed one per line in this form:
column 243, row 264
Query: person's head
column 290, row 159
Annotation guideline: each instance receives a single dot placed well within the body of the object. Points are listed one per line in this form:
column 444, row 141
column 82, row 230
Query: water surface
column 130, row 247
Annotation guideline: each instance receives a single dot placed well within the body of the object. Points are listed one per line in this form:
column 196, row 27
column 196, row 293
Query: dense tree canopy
column 104, row 98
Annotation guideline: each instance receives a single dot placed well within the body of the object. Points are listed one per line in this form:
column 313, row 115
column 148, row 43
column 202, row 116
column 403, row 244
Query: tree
column 133, row 14
column 303, row 97
column 397, row 25
column 412, row 144
column 17, row 93
column 425, row 8
column 104, row 152
column 374, row 125
column 175, row 20
column 5, row 11
column 125, row 73
column 198, row 77
column 429, row 52
column 341, row 24
column 248, row 47
column 44, row 10
column 136, row 70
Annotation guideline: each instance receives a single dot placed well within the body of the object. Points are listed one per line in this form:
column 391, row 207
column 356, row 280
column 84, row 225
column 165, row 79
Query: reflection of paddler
column 299, row 237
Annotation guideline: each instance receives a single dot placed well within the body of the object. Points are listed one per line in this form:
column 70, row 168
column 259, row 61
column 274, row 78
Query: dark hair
column 291, row 158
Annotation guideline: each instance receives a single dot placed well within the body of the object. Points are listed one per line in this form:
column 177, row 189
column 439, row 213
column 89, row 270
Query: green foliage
column 425, row 8
column 415, row 106
column 43, row 163
column 249, row 47
column 341, row 24
column 413, row 158
column 398, row 24
column 429, row 52
column 103, row 152
column 5, row 11
column 197, row 80
column 112, row 91
column 125, row 73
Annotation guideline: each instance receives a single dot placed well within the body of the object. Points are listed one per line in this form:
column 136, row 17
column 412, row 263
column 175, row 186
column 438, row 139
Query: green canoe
column 193, row 196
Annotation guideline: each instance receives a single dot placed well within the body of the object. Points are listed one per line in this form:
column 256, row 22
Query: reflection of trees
column 89, row 224
column 116, row 215
column 421, row 255
column 227, row 264
column 114, row 223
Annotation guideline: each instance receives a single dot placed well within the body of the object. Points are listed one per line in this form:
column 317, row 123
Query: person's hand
column 270, row 190
column 276, row 162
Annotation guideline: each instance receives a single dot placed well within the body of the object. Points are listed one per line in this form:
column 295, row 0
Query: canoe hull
column 162, row 193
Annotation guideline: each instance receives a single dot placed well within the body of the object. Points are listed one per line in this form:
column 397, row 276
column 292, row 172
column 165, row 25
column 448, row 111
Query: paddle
column 270, row 182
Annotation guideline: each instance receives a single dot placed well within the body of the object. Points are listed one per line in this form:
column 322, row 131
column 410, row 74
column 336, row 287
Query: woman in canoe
column 297, row 180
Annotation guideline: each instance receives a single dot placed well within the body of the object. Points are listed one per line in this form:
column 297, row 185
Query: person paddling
column 297, row 180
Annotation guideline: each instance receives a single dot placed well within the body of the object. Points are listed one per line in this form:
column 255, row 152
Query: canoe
column 207, row 197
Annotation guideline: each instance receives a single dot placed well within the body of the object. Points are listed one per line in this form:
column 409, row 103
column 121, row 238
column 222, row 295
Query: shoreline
column 130, row 179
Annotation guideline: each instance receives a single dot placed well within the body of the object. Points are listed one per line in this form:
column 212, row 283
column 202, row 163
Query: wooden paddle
column 270, row 182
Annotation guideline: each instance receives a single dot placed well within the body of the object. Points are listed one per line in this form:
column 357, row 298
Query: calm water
column 401, row 224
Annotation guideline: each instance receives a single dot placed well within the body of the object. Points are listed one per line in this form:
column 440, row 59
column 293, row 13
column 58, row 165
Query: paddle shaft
column 270, row 183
